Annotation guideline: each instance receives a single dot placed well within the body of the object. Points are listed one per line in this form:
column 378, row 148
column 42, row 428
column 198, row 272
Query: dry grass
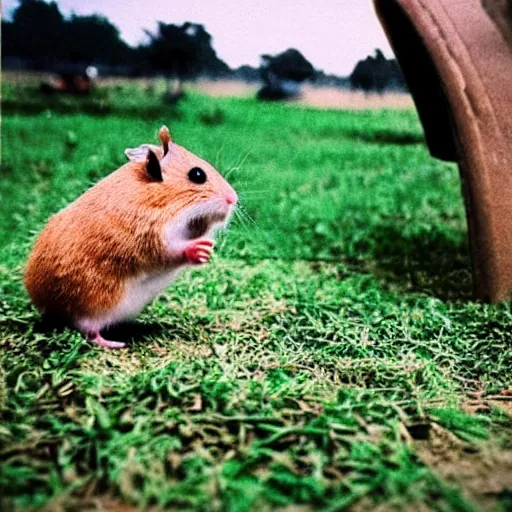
column 337, row 98
column 312, row 96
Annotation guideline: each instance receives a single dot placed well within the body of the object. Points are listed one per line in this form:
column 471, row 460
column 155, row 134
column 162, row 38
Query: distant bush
column 377, row 74
column 283, row 73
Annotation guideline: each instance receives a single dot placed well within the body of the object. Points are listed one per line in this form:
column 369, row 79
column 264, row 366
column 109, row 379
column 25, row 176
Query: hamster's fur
column 102, row 258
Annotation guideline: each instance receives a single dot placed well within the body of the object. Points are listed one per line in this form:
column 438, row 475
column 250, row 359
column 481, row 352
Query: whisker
column 246, row 192
column 242, row 220
column 250, row 225
column 218, row 157
column 244, row 214
column 239, row 166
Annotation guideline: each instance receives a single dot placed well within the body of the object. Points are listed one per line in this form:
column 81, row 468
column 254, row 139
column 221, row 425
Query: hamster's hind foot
column 97, row 338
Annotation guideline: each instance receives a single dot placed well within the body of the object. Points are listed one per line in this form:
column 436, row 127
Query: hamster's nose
column 231, row 198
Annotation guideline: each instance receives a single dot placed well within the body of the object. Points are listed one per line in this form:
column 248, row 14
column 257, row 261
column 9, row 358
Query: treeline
column 39, row 37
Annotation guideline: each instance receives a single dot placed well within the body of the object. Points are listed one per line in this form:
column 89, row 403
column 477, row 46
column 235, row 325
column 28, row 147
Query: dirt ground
column 483, row 473
column 312, row 96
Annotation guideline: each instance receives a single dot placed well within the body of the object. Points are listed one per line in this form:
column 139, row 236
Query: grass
column 329, row 357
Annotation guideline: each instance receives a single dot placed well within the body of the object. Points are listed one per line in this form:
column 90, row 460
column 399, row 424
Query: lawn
column 329, row 357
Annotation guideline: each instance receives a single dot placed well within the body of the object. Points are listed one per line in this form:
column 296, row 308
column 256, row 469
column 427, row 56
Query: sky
column 332, row 34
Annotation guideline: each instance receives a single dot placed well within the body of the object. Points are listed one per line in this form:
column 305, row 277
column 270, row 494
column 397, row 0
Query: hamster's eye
column 197, row 175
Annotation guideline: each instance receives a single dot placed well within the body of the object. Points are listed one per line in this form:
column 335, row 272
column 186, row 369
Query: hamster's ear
column 153, row 166
column 140, row 154
column 165, row 137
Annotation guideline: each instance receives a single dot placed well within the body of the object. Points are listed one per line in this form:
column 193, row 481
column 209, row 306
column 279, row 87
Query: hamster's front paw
column 199, row 251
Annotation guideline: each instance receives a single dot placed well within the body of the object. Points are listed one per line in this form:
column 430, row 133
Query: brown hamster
column 101, row 259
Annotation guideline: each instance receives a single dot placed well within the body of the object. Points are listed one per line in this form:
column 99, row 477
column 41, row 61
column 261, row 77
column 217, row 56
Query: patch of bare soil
column 337, row 98
column 93, row 504
column 366, row 504
column 218, row 88
column 505, row 406
column 312, row 96
column 482, row 473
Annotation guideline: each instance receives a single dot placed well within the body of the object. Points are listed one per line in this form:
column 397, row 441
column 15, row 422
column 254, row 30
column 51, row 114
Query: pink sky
column 332, row 34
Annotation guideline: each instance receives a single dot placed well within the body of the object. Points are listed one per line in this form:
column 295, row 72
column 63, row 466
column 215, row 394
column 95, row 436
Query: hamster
column 101, row 259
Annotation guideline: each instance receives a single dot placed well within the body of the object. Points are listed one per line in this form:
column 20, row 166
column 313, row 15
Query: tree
column 182, row 52
column 9, row 39
column 288, row 65
column 94, row 38
column 36, row 32
column 283, row 73
column 40, row 34
column 377, row 74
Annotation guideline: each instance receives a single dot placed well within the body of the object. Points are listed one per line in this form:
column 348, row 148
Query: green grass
column 314, row 362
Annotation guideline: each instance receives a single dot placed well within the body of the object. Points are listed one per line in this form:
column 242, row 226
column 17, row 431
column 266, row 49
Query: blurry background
column 232, row 48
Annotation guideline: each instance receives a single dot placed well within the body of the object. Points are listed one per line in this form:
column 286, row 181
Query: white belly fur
column 138, row 292
column 141, row 290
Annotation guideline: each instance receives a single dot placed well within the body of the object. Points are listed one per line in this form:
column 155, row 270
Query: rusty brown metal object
column 459, row 69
